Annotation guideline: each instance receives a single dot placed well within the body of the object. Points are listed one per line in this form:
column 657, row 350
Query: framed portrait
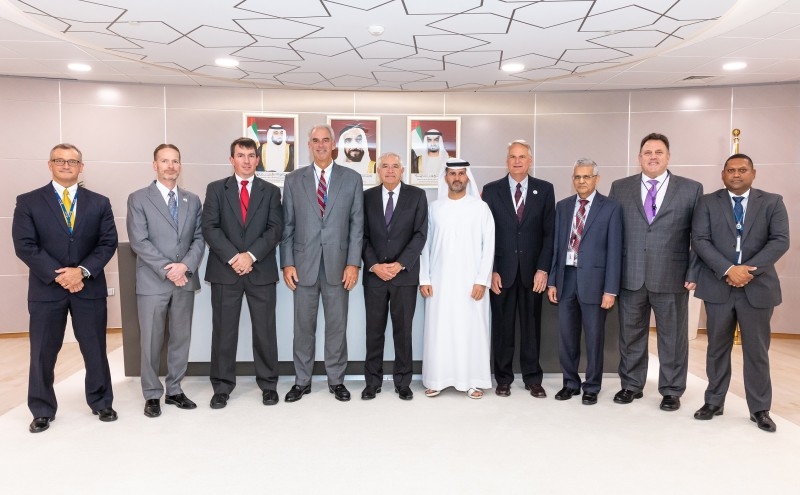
column 276, row 136
column 431, row 141
column 357, row 145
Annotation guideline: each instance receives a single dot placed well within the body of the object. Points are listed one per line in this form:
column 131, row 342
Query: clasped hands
column 176, row 273
column 70, row 278
column 242, row 264
column 739, row 275
column 386, row 271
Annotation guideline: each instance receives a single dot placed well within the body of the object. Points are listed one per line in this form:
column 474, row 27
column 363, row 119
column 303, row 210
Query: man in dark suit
column 164, row 231
column 321, row 256
column 395, row 229
column 658, row 271
column 66, row 235
column 523, row 212
column 584, row 278
column 242, row 223
column 739, row 233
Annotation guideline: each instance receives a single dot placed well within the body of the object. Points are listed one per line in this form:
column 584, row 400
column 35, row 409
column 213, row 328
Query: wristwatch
column 84, row 272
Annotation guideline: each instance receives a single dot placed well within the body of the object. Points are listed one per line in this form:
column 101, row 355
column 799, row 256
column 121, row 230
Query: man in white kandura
column 455, row 270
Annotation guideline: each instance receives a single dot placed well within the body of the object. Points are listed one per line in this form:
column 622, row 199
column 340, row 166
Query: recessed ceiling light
column 375, row 30
column 226, row 62
column 734, row 66
column 79, row 67
column 512, row 67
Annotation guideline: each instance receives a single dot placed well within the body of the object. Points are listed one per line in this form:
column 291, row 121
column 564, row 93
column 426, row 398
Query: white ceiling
column 427, row 45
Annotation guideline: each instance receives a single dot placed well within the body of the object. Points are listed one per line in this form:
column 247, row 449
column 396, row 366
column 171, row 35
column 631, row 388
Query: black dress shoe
column 340, row 392
column 180, row 400
column 218, row 401
column 536, row 390
column 626, row 396
column 708, row 411
column 297, row 392
column 38, row 425
column 566, row 393
column 589, row 398
column 764, row 422
column 152, row 408
column 670, row 403
column 404, row 393
column 370, row 392
column 503, row 389
column 106, row 415
column 269, row 397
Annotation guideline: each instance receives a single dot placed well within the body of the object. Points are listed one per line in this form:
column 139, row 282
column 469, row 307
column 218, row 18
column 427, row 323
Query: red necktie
column 244, row 199
column 580, row 220
column 322, row 193
column 517, row 201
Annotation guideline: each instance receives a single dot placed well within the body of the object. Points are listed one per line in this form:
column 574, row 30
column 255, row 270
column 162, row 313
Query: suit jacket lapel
column 530, row 198
column 50, row 197
column 232, row 195
column 309, row 185
column 155, row 197
column 402, row 202
column 256, row 197
column 594, row 210
column 726, row 210
column 333, row 189
column 754, row 203
column 669, row 195
column 183, row 205
column 507, row 199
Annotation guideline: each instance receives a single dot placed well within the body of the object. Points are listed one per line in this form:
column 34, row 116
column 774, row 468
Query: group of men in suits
column 651, row 241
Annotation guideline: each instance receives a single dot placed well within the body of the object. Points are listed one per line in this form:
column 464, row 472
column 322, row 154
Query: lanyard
column 68, row 214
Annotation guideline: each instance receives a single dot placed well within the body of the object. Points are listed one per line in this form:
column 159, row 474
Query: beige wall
column 117, row 126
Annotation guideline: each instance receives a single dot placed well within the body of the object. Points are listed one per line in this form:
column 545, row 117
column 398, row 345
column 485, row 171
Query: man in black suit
column 242, row 224
column 523, row 211
column 66, row 235
column 395, row 229
column 584, row 279
column 739, row 233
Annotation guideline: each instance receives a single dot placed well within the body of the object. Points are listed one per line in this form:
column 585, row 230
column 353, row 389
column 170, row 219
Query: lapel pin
column 535, row 191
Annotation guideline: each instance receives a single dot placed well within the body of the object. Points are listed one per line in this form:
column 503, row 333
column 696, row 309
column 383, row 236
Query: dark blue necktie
column 738, row 214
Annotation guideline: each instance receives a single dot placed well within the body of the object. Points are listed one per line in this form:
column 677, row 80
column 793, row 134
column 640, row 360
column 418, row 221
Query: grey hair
column 523, row 143
column 389, row 154
column 586, row 162
column 322, row 126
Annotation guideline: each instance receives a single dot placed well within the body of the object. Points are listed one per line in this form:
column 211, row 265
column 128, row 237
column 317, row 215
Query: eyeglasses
column 578, row 178
column 61, row 161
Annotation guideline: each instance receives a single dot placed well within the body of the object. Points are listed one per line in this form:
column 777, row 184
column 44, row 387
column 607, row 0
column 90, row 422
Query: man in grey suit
column 321, row 255
column 164, row 231
column 584, row 278
column 242, row 224
column 658, row 271
column 739, row 233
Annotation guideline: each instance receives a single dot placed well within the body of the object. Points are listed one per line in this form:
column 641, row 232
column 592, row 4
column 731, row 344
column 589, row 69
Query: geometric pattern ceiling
column 426, row 44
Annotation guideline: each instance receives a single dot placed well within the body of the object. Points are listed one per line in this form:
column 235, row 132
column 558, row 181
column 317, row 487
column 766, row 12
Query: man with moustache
column 242, row 224
column 164, row 231
column 434, row 156
column 455, row 270
column 66, row 236
column 739, row 233
column 523, row 211
column 584, row 278
column 277, row 155
column 658, row 271
column 354, row 147
column 320, row 258
column 395, row 229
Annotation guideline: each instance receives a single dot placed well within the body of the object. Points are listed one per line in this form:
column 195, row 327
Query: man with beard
column 276, row 154
column 355, row 149
column 455, row 270
column 434, row 157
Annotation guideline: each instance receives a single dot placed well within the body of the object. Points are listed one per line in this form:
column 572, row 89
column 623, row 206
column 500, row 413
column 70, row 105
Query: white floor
column 448, row 444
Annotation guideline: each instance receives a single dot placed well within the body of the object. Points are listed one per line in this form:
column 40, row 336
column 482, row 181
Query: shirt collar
column 60, row 189
column 745, row 195
column 590, row 198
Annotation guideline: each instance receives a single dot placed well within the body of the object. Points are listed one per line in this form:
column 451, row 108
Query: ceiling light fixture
column 734, row 66
column 376, row 30
column 76, row 67
column 226, row 62
column 512, row 67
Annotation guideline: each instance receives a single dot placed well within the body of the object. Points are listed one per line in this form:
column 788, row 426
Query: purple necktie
column 389, row 208
column 650, row 201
